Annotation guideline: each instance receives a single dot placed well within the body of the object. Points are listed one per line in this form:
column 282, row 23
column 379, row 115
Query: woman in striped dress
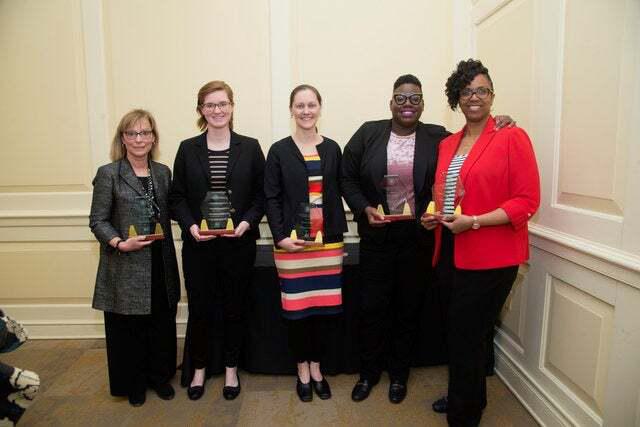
column 302, row 194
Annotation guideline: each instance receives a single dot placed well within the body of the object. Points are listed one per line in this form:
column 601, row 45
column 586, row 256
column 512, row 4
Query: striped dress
column 311, row 280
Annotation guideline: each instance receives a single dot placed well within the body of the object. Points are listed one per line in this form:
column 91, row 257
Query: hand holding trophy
column 308, row 225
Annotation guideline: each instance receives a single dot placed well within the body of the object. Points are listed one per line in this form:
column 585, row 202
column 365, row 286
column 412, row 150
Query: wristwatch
column 475, row 224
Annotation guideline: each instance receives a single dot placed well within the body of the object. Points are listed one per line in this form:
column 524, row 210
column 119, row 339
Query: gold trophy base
column 206, row 231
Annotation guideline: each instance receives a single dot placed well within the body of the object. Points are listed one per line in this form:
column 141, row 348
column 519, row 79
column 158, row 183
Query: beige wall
column 566, row 70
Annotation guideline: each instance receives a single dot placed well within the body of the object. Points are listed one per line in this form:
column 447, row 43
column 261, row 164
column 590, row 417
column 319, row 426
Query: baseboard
column 70, row 321
column 528, row 393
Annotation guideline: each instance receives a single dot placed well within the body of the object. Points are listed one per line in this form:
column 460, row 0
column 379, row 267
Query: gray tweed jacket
column 123, row 282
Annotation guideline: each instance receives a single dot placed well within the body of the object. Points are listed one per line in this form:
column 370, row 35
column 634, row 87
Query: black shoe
column 304, row 391
column 231, row 392
column 441, row 405
column 397, row 391
column 361, row 390
column 322, row 388
column 137, row 399
column 195, row 392
column 165, row 391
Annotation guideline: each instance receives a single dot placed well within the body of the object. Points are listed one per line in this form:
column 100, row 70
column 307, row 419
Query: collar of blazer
column 125, row 171
column 235, row 148
column 420, row 155
column 476, row 151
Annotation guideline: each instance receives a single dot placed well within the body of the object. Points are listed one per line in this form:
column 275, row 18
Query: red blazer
column 500, row 172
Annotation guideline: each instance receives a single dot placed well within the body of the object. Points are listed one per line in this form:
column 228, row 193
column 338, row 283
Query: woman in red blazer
column 481, row 246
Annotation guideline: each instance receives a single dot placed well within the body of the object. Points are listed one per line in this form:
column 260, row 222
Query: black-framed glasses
column 132, row 134
column 210, row 106
column 401, row 98
column 481, row 92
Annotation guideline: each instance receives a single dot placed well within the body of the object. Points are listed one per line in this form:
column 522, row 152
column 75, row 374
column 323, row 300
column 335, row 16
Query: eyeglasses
column 481, row 92
column 401, row 98
column 132, row 134
column 211, row 106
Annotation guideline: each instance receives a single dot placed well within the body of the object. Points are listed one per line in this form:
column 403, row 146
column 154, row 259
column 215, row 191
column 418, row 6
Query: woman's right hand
column 133, row 244
column 195, row 232
column 430, row 221
column 375, row 218
column 290, row 245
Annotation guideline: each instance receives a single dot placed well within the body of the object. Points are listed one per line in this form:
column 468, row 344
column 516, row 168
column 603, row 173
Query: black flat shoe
column 165, row 391
column 231, row 392
column 137, row 399
column 361, row 390
column 195, row 392
column 397, row 391
column 322, row 388
column 441, row 405
column 304, row 391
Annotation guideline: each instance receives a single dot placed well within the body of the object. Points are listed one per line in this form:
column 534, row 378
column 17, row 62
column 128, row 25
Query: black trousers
column 217, row 274
column 141, row 349
column 394, row 276
column 308, row 337
column 477, row 296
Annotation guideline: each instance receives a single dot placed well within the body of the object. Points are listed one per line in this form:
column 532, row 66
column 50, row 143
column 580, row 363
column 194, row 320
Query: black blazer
column 364, row 166
column 286, row 185
column 245, row 175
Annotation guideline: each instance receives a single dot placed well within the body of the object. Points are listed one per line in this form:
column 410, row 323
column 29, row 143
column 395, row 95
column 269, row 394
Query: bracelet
column 116, row 247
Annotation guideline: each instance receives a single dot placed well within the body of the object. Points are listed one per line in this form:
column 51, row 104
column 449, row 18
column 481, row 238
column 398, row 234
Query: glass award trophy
column 397, row 199
column 439, row 193
column 145, row 216
column 216, row 214
column 306, row 217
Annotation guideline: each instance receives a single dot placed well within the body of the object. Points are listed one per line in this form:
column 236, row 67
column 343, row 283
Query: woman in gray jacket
column 137, row 284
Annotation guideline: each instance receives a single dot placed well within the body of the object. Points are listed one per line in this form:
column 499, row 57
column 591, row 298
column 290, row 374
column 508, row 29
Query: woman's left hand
column 502, row 121
column 457, row 223
column 240, row 230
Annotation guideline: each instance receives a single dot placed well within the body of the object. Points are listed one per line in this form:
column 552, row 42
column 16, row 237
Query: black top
column 286, row 185
column 365, row 164
column 245, row 176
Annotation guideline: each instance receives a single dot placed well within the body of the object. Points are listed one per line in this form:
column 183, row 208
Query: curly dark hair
column 407, row 78
column 461, row 77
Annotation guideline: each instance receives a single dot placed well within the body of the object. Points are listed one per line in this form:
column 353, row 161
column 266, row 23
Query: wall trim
column 539, row 404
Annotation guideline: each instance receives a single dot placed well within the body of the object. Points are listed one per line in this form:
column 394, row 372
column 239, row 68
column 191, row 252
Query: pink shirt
column 400, row 151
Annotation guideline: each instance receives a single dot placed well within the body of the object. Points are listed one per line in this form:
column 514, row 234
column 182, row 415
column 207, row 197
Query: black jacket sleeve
column 273, row 190
column 350, row 178
column 255, row 213
column 178, row 204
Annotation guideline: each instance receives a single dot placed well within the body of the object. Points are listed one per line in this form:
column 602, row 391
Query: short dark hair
column 301, row 88
column 407, row 78
column 461, row 77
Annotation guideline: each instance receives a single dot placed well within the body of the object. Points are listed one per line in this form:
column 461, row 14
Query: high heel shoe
column 322, row 388
column 304, row 391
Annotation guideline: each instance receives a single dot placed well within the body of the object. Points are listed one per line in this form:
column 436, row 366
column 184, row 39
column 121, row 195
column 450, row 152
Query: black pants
column 477, row 297
column 141, row 349
column 217, row 275
column 393, row 283
column 308, row 337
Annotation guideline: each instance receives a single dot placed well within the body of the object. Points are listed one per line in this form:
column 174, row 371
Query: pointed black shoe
column 361, row 390
column 304, row 391
column 441, row 405
column 165, row 391
column 322, row 388
column 231, row 392
column 397, row 391
column 195, row 392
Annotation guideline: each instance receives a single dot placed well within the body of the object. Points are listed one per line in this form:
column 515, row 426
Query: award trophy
column 146, row 219
column 216, row 214
column 306, row 216
column 438, row 194
column 397, row 192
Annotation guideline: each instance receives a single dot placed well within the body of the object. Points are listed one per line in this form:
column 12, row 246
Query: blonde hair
column 205, row 90
column 118, row 150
